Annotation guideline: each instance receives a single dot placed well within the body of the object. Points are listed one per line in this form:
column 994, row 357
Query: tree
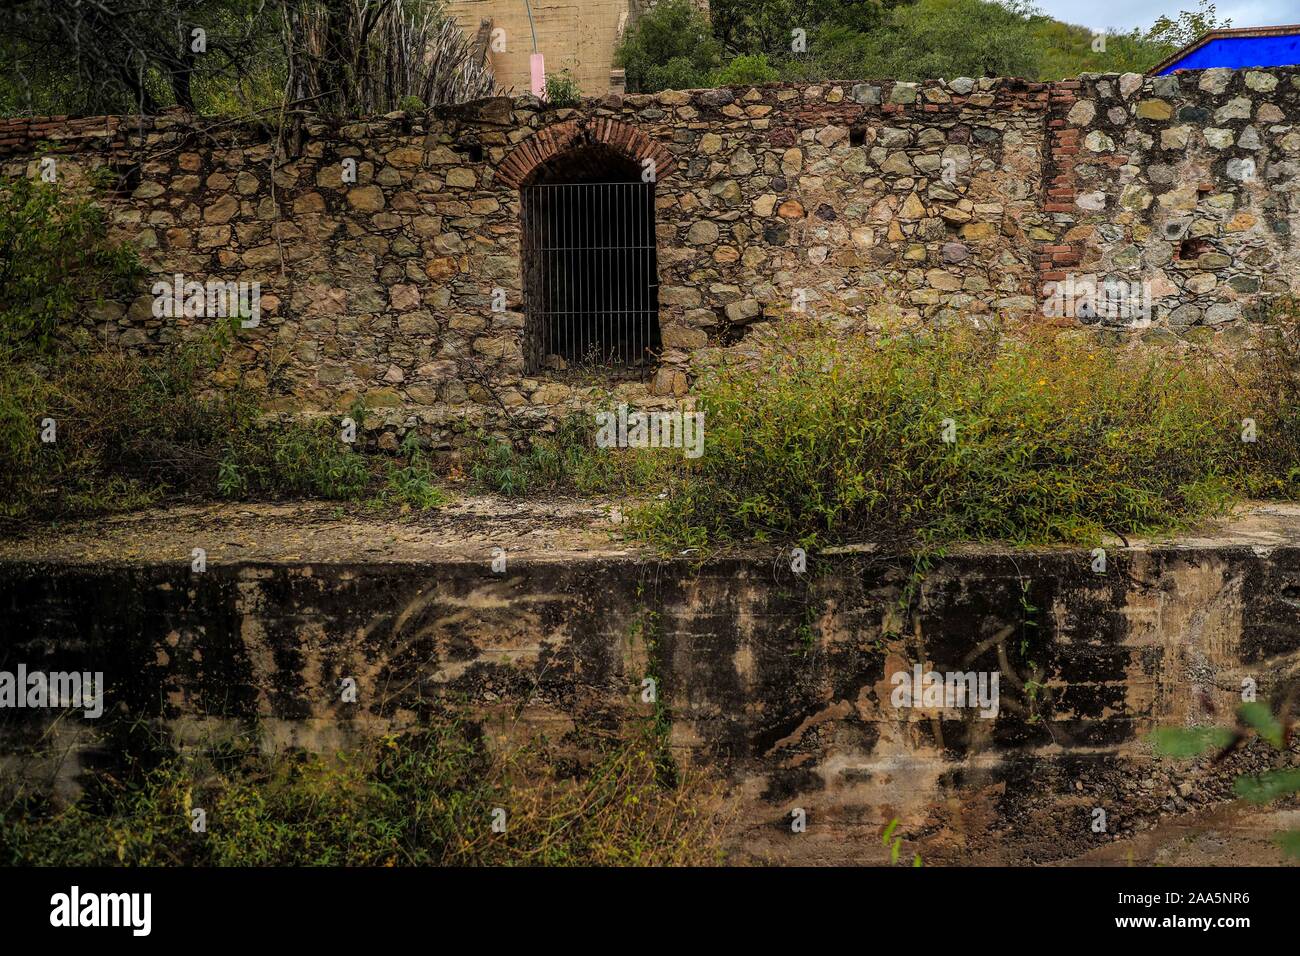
column 354, row 57
column 746, row 70
column 341, row 56
column 671, row 46
column 947, row 38
column 1187, row 27
column 765, row 26
column 99, row 56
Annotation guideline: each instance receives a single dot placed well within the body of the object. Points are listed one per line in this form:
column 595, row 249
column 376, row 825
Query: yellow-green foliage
column 569, row 461
column 130, row 430
column 55, row 258
column 424, row 799
column 835, row 435
column 1065, row 50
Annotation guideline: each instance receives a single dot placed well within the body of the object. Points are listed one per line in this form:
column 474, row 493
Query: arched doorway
column 590, row 270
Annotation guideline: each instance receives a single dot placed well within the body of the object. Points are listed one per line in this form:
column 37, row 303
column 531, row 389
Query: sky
column 1126, row 14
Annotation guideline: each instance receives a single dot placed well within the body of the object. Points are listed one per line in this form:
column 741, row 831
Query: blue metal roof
column 1263, row 46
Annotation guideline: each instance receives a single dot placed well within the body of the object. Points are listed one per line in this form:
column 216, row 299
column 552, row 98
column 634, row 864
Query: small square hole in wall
column 119, row 177
column 473, row 152
column 858, row 136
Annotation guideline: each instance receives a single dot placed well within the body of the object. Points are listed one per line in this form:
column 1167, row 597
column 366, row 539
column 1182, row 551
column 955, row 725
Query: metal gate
column 591, row 286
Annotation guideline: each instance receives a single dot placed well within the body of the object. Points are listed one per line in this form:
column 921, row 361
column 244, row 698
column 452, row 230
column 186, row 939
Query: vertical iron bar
column 588, row 277
column 570, row 279
column 599, row 258
column 628, row 216
column 599, row 242
column 620, row 256
column 648, row 242
column 637, row 200
column 547, row 292
column 544, row 240
column 532, row 308
column 530, row 253
column 629, row 238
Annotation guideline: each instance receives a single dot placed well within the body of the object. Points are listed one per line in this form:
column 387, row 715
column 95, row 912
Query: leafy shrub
column 746, row 70
column 1065, row 51
column 55, row 258
column 412, row 485
column 1186, row 27
column 125, row 429
column 417, row 799
column 934, row 38
column 562, row 89
column 301, row 459
column 835, row 435
column 131, row 430
column 569, row 461
column 670, row 46
column 1269, row 723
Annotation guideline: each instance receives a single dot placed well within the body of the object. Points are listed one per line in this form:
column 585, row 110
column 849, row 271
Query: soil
column 540, row 527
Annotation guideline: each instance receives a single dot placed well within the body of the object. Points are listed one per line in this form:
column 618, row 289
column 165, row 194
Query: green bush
column 412, row 485
column 1065, row 51
column 411, row 800
column 131, row 430
column 1269, row 724
column 306, row 459
column 562, row 89
column 907, row 39
column 55, row 259
column 669, row 47
column 125, row 429
column 835, row 436
column 569, row 461
column 746, row 70
column 947, row 38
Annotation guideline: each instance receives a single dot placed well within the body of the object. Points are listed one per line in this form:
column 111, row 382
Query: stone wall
column 930, row 201
column 1183, row 182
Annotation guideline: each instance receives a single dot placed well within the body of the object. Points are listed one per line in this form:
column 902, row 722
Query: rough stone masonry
column 933, row 201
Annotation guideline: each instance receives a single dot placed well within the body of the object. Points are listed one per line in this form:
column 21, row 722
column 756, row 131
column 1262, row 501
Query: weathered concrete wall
column 926, row 201
column 782, row 685
column 574, row 35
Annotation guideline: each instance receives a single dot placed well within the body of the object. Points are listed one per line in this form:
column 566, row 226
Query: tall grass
column 131, row 430
column 418, row 799
column 568, row 461
column 833, row 436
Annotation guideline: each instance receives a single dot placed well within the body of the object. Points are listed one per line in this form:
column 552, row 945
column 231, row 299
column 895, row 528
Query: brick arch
column 526, row 158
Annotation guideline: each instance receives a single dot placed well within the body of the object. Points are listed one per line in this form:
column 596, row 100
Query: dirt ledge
column 466, row 529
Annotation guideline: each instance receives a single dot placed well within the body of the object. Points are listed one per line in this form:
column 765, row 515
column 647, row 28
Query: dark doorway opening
column 591, row 282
